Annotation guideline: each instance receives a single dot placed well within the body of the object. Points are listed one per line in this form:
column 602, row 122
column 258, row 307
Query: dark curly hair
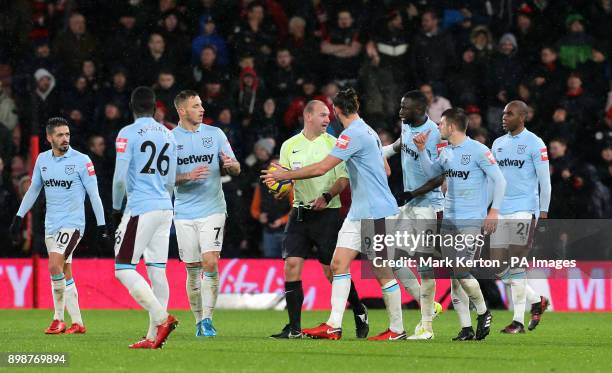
column 347, row 101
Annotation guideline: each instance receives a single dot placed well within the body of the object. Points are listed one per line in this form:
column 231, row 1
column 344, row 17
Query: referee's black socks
column 354, row 300
column 294, row 294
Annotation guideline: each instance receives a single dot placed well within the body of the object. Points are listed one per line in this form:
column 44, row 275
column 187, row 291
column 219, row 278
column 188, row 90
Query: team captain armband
column 543, row 154
column 441, row 146
column 90, row 169
column 121, row 144
column 343, row 142
column 490, row 157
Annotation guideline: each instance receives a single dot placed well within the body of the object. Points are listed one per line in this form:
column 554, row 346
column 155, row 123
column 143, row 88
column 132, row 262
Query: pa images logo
column 69, row 169
column 465, row 159
column 207, row 142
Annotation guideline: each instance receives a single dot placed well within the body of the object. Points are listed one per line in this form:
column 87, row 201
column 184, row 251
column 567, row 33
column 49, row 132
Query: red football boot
column 323, row 331
column 143, row 343
column 76, row 329
column 388, row 335
column 164, row 330
column 56, row 327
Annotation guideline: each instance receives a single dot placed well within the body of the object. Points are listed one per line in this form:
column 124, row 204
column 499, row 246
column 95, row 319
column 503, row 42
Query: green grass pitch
column 564, row 342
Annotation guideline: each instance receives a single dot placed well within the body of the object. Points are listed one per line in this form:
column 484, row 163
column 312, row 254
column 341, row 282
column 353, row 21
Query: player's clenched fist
column 420, row 140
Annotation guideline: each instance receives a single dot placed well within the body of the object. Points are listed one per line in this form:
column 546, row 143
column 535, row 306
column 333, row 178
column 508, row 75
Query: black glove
column 15, row 228
column 105, row 237
column 116, row 220
column 403, row 198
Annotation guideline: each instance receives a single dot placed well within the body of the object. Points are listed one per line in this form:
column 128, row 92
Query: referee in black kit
column 315, row 218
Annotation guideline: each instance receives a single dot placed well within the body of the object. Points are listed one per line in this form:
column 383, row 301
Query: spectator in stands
column 483, row 44
column 465, row 83
column 214, row 98
column 504, row 71
column 110, row 124
column 591, row 196
column 561, row 164
column 8, row 110
column 96, row 150
column 166, row 90
column 172, row 29
column 75, row 45
column 578, row 101
column 389, row 48
column 79, row 97
column 248, row 95
column 208, row 69
column 267, row 123
column 208, row 36
column 575, row 47
column 46, row 99
column 123, row 46
column 342, row 48
column 40, row 59
column 561, row 127
column 273, row 215
column 604, row 165
column 528, row 35
column 597, row 137
column 255, row 36
column 8, row 202
column 433, row 52
column 117, row 91
column 232, row 131
column 293, row 118
column 90, row 72
column 547, row 78
column 436, row 105
column 302, row 45
column 154, row 59
column 283, row 79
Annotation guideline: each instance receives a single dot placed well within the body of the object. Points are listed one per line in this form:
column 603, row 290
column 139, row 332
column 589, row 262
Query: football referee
column 315, row 218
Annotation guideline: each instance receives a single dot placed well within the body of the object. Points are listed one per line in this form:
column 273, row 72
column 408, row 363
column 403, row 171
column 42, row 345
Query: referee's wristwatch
column 328, row 197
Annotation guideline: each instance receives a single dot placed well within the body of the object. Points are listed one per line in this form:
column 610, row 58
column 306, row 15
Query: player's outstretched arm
column 308, row 172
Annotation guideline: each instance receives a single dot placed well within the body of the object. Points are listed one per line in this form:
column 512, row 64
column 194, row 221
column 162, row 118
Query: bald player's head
column 316, row 116
column 513, row 118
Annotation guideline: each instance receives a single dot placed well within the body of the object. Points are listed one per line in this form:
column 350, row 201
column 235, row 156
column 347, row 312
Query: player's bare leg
column 393, row 303
column 210, row 290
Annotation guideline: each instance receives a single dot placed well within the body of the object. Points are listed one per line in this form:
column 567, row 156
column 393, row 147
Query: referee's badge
column 296, row 165
column 207, row 142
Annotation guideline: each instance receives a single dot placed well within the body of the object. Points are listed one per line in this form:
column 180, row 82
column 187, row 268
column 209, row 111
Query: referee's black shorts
column 319, row 229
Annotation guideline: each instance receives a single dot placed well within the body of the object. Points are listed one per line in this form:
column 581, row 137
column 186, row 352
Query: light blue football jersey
column 518, row 157
column 200, row 198
column 412, row 171
column 466, row 167
column 359, row 146
column 66, row 179
column 150, row 149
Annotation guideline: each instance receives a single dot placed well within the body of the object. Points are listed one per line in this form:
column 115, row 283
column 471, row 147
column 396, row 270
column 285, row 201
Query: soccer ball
column 281, row 186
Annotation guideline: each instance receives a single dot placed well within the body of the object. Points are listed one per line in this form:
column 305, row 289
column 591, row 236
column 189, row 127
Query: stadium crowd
column 257, row 63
